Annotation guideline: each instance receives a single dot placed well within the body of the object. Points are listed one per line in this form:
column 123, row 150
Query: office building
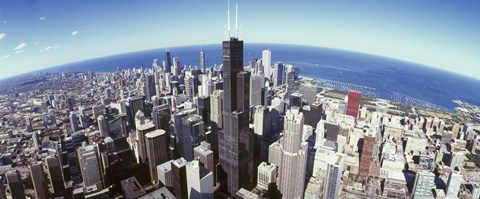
column 369, row 153
column 164, row 173
column 205, row 155
column 161, row 116
column 73, row 121
column 423, row 185
column 179, row 178
column 256, row 85
column 15, row 184
column 55, row 174
column 90, row 165
column 142, row 130
column 202, row 60
column 216, row 105
column 168, row 62
column 191, row 135
column 157, row 151
column 267, row 63
column 455, row 180
column 131, row 188
column 334, row 177
column 353, row 105
column 294, row 156
column 199, row 181
column 103, row 126
column 278, row 71
column 267, row 173
column 39, row 181
column 235, row 140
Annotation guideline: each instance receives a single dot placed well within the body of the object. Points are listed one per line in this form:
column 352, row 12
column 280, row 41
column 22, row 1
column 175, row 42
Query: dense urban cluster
column 172, row 131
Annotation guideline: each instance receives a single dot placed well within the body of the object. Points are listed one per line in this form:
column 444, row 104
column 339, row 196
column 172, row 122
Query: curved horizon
column 162, row 49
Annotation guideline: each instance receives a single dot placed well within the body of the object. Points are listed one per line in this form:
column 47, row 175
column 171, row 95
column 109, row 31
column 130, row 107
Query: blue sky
column 36, row 34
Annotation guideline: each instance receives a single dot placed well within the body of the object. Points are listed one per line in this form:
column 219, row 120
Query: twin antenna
column 236, row 19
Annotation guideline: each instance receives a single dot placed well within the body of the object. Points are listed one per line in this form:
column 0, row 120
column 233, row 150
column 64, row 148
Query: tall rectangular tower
column 353, row 105
column 235, row 140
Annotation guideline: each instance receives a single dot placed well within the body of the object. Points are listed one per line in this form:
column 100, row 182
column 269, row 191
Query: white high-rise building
column 216, row 105
column 422, row 189
column 455, row 179
column 267, row 63
column 256, row 85
column 199, row 181
column 294, row 156
column 89, row 163
column 333, row 178
column 267, row 173
column 103, row 126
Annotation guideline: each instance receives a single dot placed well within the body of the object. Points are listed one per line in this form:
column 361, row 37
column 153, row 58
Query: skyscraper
column 161, row 117
column 294, row 157
column 90, row 165
column 55, row 174
column 157, row 151
column 353, row 105
column 191, row 136
column 334, row 177
column 149, row 86
column 199, row 181
column 368, row 154
column 267, row 63
column 256, row 85
column 278, row 74
column 235, row 140
column 142, row 130
column 179, row 178
column 455, row 179
column 15, row 184
column 103, row 126
column 73, row 121
column 39, row 182
column 267, row 173
column 202, row 60
column 28, row 121
column 168, row 62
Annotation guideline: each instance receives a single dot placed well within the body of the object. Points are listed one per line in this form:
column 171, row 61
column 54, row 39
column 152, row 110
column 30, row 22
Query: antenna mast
column 236, row 18
column 228, row 18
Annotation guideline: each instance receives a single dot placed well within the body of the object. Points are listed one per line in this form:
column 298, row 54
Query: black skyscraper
column 235, row 139
column 168, row 62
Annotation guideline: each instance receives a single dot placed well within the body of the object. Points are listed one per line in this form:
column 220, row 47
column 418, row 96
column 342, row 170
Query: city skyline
column 44, row 34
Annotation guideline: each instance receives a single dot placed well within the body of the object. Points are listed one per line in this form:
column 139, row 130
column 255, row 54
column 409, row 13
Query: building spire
column 236, row 18
column 228, row 19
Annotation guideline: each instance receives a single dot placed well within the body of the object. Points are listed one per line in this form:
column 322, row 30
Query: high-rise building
column 15, row 184
column 73, row 121
column 55, row 174
column 157, row 151
column 161, row 117
column 294, row 155
column 103, row 126
column 35, row 140
column 216, row 105
column 267, row 63
column 28, row 121
column 202, row 60
column 256, row 85
column 424, row 182
column 191, row 135
column 235, row 139
column 333, row 178
column 39, row 181
column 3, row 191
column 179, row 178
column 70, row 104
column 168, row 62
column 135, row 104
column 278, row 71
column 142, row 130
column 149, row 86
column 90, row 165
column 267, row 173
column 353, row 105
column 455, row 180
column 199, row 181
column 369, row 152
column 164, row 172
column 205, row 155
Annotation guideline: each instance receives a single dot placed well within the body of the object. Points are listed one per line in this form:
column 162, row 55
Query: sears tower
column 235, row 139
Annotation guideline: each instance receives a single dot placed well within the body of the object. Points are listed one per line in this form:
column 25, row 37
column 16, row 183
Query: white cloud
column 5, row 57
column 42, row 18
column 49, row 48
column 20, row 46
column 4, row 21
column 2, row 35
column 75, row 32
column 19, row 51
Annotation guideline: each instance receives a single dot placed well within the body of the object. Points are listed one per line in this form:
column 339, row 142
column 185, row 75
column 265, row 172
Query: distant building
column 90, row 165
column 179, row 178
column 142, row 130
column 103, row 126
column 73, row 121
column 455, row 180
column 353, row 105
column 267, row 63
column 333, row 178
